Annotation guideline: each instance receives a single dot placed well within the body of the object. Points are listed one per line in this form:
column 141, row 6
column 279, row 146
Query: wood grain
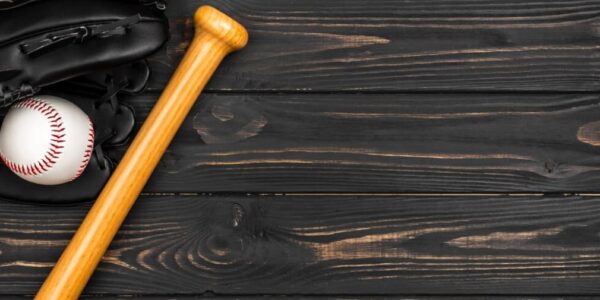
column 322, row 245
column 210, row 296
column 382, row 45
column 216, row 36
column 383, row 143
column 431, row 96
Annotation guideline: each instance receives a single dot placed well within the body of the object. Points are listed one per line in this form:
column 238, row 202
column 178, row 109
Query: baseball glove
column 98, row 95
column 47, row 41
column 90, row 53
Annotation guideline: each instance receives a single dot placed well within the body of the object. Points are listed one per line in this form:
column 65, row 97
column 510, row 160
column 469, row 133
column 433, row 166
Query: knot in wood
column 229, row 120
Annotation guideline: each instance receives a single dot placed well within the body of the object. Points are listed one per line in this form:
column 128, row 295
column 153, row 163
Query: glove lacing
column 113, row 87
column 8, row 97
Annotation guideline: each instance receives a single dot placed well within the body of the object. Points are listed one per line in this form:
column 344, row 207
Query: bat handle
column 216, row 36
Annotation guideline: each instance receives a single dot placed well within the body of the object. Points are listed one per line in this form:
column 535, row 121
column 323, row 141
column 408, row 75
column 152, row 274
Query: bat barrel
column 216, row 36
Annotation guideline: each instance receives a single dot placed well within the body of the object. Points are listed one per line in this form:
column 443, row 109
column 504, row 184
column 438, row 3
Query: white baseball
column 46, row 140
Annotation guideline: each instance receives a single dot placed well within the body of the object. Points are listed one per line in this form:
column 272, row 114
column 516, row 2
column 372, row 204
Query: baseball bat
column 216, row 36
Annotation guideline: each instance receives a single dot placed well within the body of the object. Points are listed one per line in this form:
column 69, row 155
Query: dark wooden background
column 356, row 148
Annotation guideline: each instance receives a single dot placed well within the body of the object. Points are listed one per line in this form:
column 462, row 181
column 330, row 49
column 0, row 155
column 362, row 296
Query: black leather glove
column 98, row 95
column 47, row 41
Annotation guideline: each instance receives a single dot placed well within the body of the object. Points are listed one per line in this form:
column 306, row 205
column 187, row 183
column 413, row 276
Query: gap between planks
column 212, row 296
column 383, row 194
column 383, row 92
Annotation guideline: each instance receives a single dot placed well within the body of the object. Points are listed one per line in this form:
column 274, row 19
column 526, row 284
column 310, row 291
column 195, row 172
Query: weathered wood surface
column 362, row 96
column 312, row 297
column 359, row 297
column 295, row 297
column 384, row 45
column 323, row 245
column 384, row 143
column 210, row 296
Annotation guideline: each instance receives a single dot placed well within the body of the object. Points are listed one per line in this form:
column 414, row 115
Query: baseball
column 46, row 140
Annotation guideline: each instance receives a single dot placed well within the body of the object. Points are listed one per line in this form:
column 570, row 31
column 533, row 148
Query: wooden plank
column 365, row 297
column 209, row 296
column 338, row 245
column 341, row 297
column 296, row 297
column 359, row 45
column 384, row 143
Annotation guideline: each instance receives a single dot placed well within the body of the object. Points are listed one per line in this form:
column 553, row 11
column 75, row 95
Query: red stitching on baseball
column 48, row 161
column 88, row 150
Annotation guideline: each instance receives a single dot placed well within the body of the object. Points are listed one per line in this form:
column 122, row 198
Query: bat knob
column 213, row 21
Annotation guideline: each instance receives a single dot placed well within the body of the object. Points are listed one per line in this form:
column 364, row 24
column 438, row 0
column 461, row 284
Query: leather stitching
column 88, row 151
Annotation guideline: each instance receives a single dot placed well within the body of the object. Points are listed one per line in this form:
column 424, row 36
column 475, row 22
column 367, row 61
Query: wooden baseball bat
column 216, row 36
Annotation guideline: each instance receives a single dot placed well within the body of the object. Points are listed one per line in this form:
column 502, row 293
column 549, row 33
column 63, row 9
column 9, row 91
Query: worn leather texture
column 48, row 41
